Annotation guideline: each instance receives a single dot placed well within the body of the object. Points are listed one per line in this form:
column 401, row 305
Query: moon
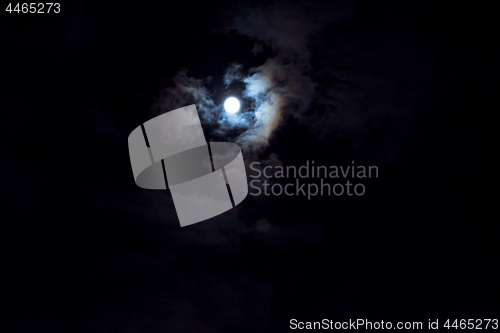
column 232, row 105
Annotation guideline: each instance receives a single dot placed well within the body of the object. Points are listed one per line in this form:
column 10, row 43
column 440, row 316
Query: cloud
column 279, row 88
column 257, row 49
column 285, row 27
column 345, row 96
column 363, row 92
column 185, row 91
column 233, row 73
column 283, row 85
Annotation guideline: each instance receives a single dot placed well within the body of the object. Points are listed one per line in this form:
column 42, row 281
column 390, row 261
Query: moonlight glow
column 232, row 105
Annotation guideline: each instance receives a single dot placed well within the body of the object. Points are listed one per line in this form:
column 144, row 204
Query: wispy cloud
column 282, row 87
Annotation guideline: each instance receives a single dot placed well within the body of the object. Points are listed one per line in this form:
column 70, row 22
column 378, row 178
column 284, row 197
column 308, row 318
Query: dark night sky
column 406, row 87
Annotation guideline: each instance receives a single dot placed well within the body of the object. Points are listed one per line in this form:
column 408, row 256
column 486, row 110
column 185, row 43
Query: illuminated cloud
column 281, row 87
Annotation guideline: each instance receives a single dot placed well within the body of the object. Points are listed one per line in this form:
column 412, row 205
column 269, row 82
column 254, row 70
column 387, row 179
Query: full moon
column 232, row 105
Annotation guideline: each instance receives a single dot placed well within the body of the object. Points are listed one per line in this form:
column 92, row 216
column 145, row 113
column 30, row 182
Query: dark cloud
column 283, row 85
column 257, row 49
column 342, row 96
column 185, row 90
column 233, row 73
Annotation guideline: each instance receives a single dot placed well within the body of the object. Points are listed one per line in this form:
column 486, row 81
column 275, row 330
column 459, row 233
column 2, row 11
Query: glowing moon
column 232, row 105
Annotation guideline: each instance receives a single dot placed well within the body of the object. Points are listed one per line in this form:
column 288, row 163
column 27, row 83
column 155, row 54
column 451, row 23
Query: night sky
column 405, row 86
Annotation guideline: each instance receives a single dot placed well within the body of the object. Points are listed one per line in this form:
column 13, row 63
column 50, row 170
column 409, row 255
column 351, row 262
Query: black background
column 85, row 250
